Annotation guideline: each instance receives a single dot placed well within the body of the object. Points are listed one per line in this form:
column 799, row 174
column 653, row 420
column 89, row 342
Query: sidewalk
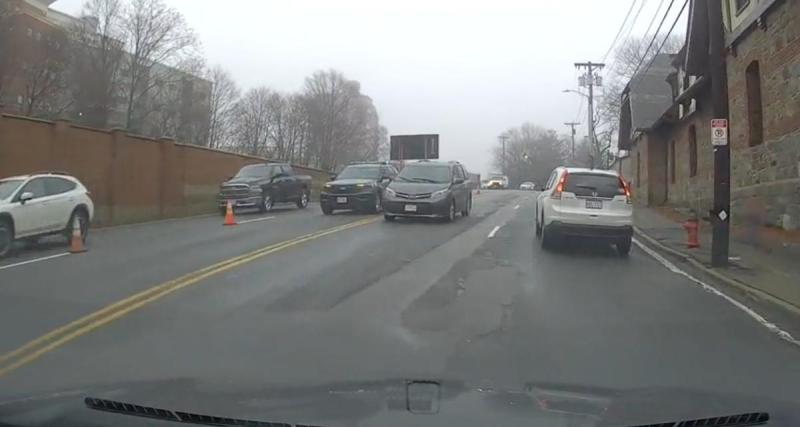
column 763, row 262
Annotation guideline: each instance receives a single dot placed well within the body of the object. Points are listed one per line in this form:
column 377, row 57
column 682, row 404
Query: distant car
column 484, row 184
column 357, row 187
column 36, row 205
column 262, row 185
column 432, row 189
column 498, row 182
column 527, row 185
column 585, row 203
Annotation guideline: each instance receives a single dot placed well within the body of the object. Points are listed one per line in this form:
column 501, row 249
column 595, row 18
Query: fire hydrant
column 692, row 227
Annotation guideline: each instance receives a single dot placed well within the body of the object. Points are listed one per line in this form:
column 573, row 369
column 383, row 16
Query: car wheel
column 82, row 217
column 327, row 210
column 389, row 218
column 538, row 228
column 451, row 215
column 6, row 237
column 468, row 207
column 546, row 238
column 303, row 201
column 624, row 247
column 266, row 204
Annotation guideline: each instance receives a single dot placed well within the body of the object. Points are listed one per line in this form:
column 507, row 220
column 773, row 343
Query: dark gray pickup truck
column 263, row 185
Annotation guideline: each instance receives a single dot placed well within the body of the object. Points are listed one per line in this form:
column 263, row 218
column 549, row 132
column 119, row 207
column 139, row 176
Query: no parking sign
column 719, row 132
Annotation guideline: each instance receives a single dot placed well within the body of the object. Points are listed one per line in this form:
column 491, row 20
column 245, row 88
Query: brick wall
column 131, row 178
column 695, row 192
column 768, row 174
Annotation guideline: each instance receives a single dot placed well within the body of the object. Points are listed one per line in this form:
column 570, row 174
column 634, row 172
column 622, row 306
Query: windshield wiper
column 432, row 181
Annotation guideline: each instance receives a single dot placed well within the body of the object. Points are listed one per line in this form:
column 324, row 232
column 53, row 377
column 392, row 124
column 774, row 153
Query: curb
column 758, row 293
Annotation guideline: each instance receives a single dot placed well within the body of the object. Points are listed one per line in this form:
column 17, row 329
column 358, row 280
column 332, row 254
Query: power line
column 653, row 20
column 666, row 37
column 627, row 34
column 621, row 27
column 649, row 45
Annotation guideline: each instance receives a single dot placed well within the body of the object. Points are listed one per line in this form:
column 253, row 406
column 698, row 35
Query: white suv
column 585, row 203
column 42, row 204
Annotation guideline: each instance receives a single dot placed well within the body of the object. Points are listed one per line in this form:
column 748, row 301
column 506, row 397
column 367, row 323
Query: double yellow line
column 60, row 336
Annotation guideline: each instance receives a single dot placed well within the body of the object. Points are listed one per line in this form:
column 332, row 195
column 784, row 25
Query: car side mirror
column 458, row 181
column 386, row 178
column 332, row 177
column 24, row 197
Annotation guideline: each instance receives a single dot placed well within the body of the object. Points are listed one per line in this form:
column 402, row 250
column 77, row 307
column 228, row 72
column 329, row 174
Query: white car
column 498, row 182
column 528, row 186
column 42, row 204
column 590, row 203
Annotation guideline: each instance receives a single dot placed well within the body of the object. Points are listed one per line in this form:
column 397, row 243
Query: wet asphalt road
column 372, row 300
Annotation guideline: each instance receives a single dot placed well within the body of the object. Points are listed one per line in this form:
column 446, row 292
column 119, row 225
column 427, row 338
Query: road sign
column 719, row 132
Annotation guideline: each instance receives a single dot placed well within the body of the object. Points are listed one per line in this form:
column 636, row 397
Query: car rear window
column 594, row 185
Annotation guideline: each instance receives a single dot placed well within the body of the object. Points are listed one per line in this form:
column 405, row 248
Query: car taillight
column 627, row 189
column 562, row 182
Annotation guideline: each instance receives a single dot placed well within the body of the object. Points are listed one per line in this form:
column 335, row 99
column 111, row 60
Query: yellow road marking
column 56, row 338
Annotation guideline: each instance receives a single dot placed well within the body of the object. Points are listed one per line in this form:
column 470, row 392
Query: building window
column 741, row 5
column 755, row 113
column 672, row 162
column 692, row 151
column 638, row 169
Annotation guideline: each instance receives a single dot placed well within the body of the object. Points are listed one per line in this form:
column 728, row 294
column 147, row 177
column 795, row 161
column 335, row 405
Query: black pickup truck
column 263, row 185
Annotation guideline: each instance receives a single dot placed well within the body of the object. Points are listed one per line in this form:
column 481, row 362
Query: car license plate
column 341, row 200
column 594, row 204
column 411, row 208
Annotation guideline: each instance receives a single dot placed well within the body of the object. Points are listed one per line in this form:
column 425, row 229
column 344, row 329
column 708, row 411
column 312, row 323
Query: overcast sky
column 467, row 70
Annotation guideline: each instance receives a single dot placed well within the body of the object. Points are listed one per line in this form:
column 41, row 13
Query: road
column 296, row 297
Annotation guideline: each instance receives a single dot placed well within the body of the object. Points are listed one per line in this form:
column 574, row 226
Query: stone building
column 670, row 158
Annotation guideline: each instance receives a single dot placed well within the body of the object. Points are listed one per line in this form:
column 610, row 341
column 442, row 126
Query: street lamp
column 575, row 91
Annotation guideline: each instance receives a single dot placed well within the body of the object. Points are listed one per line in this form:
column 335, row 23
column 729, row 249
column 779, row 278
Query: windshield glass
column 594, row 185
column 7, row 187
column 256, row 171
column 360, row 172
column 425, row 173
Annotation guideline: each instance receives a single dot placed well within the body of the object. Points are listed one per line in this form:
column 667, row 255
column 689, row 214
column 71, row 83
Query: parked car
column 263, row 185
column 41, row 204
column 528, row 186
column 357, row 187
column 585, row 203
column 428, row 189
column 498, row 182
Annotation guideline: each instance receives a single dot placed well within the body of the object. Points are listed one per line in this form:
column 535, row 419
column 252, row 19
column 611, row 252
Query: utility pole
column 721, row 214
column 572, row 149
column 591, row 80
column 503, row 139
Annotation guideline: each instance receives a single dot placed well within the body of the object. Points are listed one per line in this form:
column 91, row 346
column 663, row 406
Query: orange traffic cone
column 229, row 219
column 76, row 245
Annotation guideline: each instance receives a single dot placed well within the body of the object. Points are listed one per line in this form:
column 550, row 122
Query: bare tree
column 252, row 123
column 531, row 153
column 222, row 101
column 343, row 123
column 158, row 39
column 97, row 46
column 45, row 76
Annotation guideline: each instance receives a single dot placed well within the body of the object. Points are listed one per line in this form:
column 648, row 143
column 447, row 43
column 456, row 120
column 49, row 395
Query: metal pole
column 572, row 148
column 721, row 214
column 590, row 67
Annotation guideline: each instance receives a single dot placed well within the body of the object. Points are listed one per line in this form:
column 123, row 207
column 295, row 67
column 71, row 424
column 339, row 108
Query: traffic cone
column 229, row 219
column 76, row 245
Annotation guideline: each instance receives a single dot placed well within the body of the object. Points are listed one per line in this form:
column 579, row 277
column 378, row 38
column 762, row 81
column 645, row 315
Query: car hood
column 352, row 181
column 244, row 180
column 416, row 187
column 387, row 403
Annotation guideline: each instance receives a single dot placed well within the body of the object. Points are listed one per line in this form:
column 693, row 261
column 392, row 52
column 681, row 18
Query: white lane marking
column 494, row 231
column 256, row 220
column 786, row 336
column 516, row 207
column 31, row 261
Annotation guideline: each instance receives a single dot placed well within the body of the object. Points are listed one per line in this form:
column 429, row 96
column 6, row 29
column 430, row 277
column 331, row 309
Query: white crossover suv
column 42, row 204
column 589, row 203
